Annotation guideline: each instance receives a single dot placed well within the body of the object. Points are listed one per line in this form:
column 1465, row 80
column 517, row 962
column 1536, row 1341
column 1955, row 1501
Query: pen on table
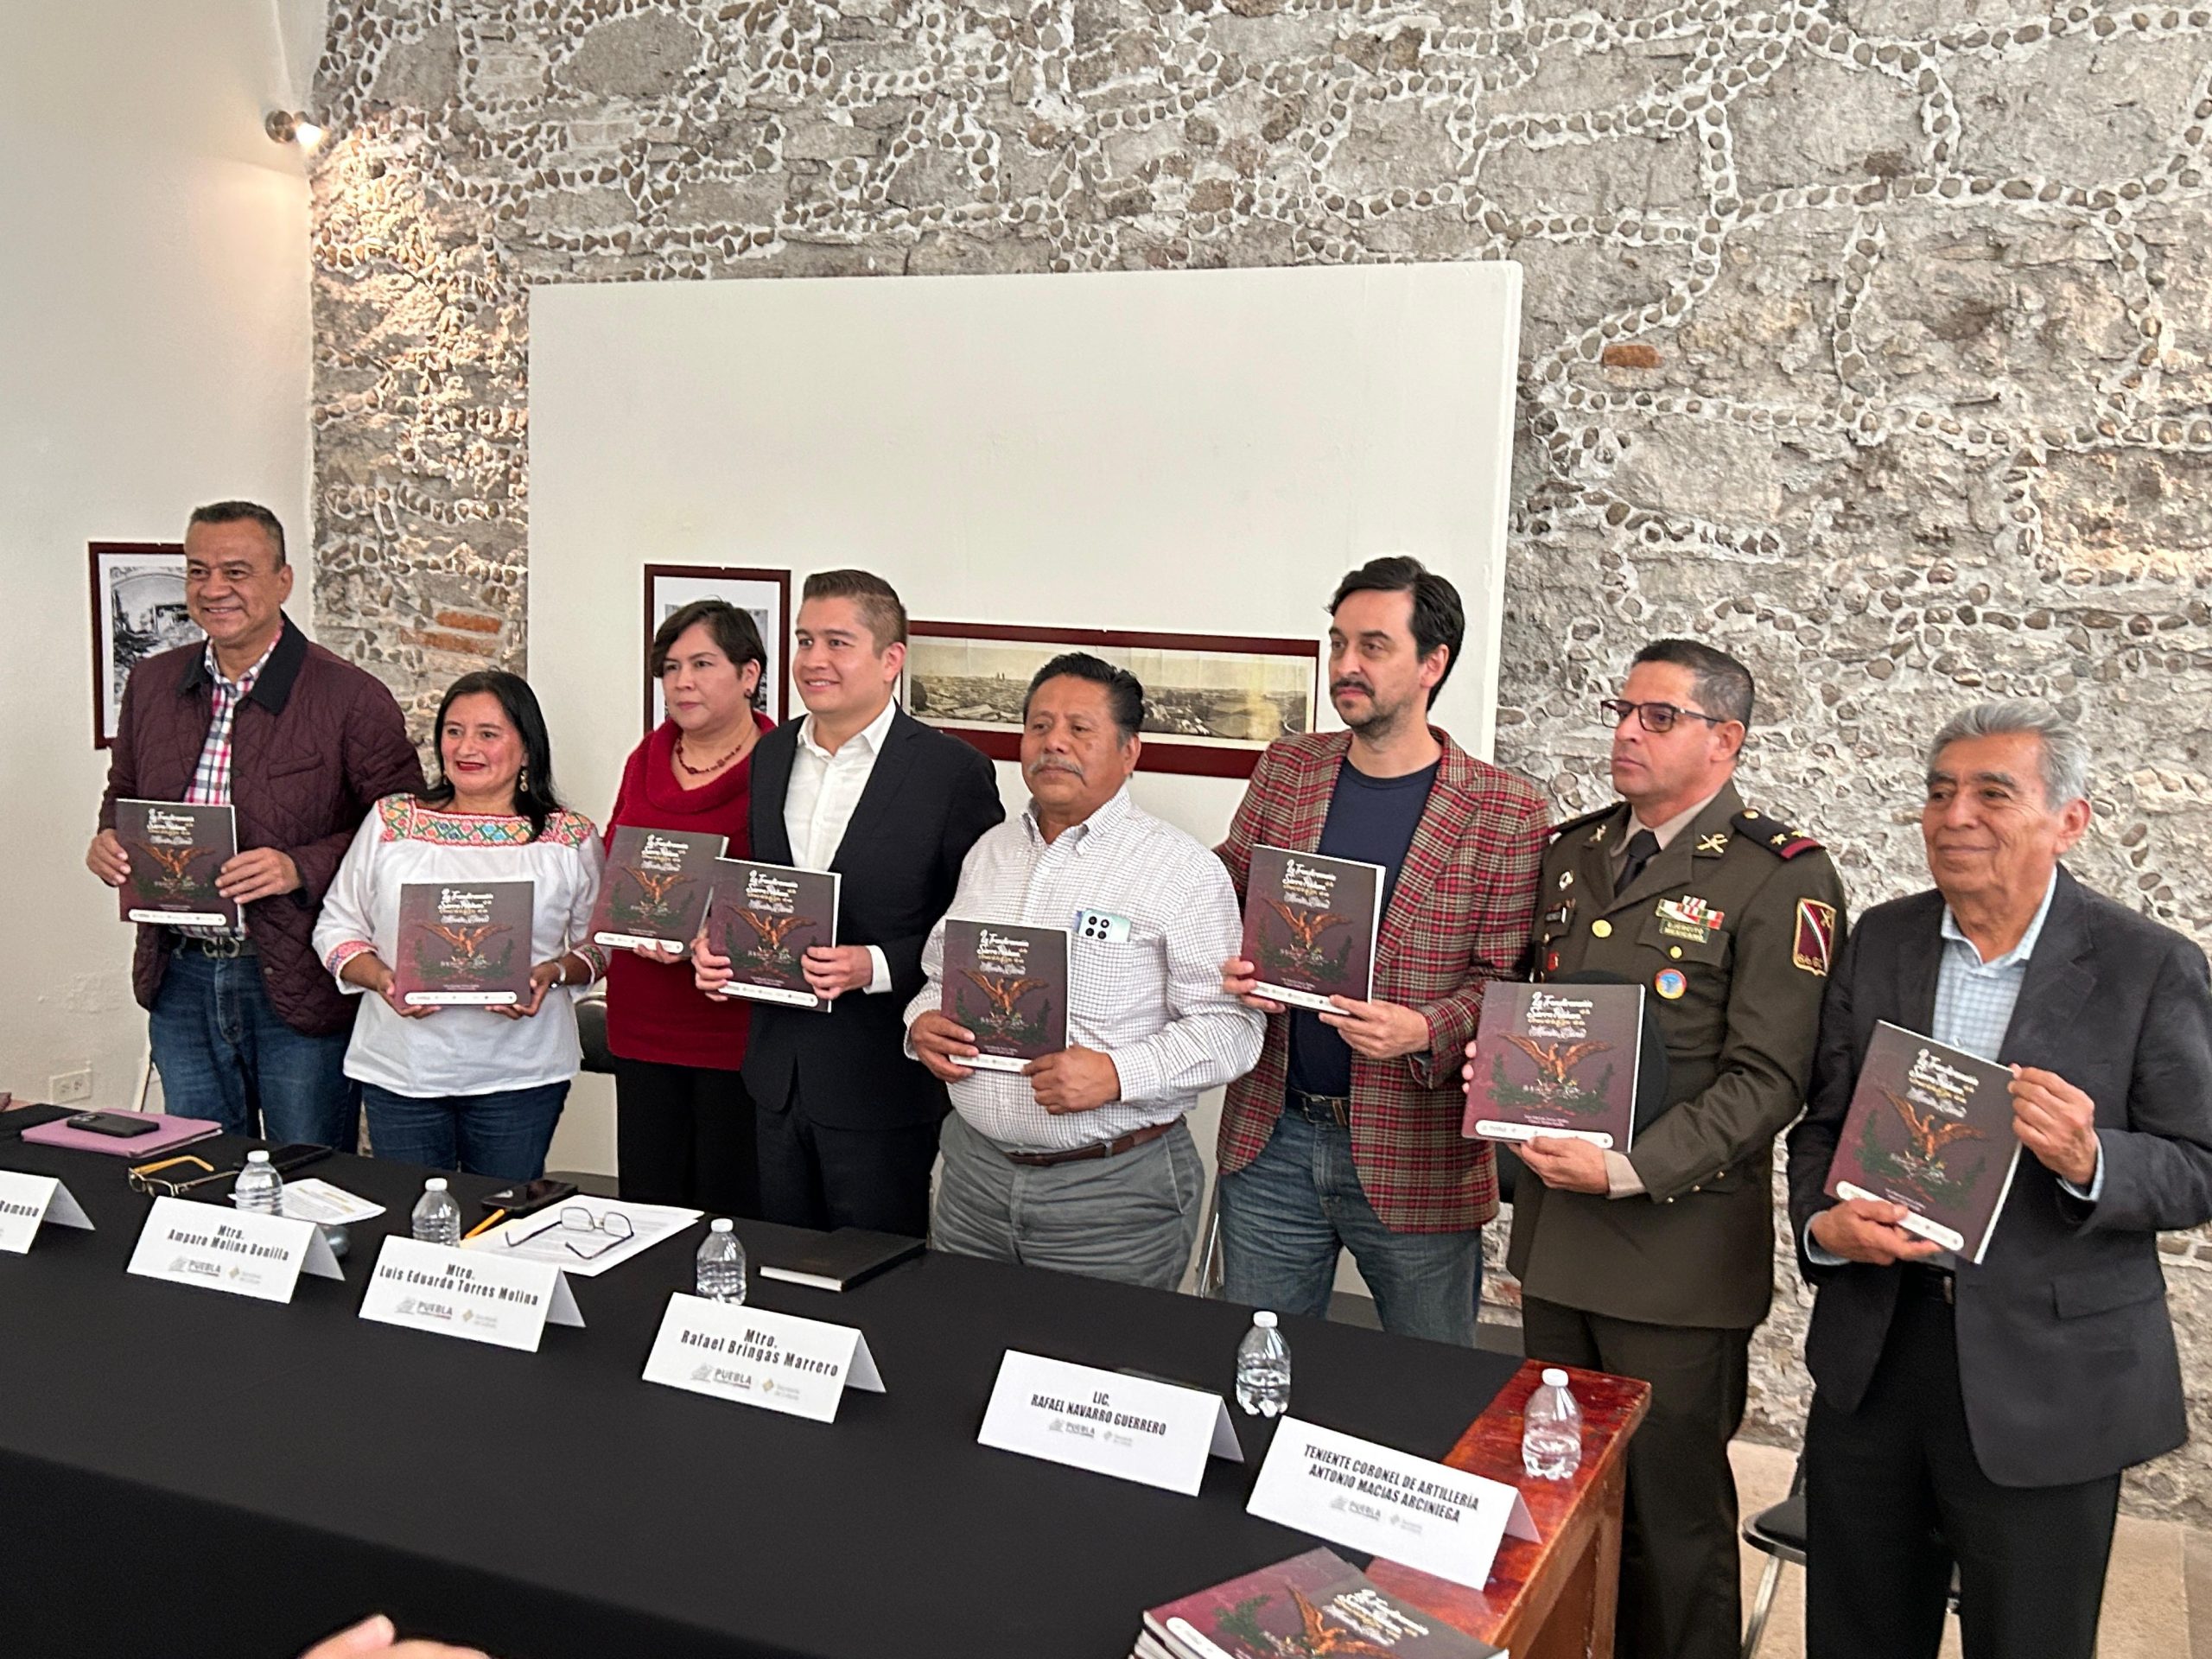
column 486, row 1225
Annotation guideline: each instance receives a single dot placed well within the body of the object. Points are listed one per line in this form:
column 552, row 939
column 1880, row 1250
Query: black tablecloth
column 185, row 1473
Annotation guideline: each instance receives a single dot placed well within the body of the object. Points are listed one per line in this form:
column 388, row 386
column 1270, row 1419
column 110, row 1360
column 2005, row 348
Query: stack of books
column 1316, row 1603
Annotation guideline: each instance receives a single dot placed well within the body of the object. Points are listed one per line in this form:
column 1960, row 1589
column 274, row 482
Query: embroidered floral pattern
column 404, row 818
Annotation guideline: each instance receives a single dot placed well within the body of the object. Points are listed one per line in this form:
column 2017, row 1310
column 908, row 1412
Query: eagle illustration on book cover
column 176, row 849
column 764, row 917
column 1310, row 924
column 655, row 890
column 1930, row 1127
column 465, row 943
column 1556, row 1059
column 1008, row 985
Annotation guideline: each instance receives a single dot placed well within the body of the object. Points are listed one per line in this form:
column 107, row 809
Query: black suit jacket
column 928, row 800
column 2066, row 1353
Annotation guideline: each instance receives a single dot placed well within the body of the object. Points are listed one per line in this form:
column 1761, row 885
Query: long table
column 185, row 1473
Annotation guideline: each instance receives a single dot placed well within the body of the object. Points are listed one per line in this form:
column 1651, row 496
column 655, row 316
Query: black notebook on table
column 839, row 1260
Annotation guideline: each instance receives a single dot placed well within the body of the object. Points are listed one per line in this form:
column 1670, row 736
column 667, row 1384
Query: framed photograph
column 137, row 610
column 1211, row 701
column 765, row 595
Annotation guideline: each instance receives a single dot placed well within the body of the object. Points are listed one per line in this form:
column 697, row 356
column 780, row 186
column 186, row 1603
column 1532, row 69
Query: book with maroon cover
column 1010, row 986
column 1316, row 1603
column 655, row 890
column 1930, row 1126
column 1310, row 924
column 464, row 943
column 176, row 849
column 764, row 917
column 1556, row 1060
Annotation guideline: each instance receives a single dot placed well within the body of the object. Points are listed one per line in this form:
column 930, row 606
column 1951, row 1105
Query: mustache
column 1336, row 686
column 1046, row 763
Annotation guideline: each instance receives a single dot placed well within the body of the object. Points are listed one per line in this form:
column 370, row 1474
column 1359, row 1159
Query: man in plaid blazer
column 1346, row 1135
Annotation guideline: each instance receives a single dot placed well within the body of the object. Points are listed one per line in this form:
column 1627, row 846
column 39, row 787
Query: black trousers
column 814, row 1176
column 1894, row 1498
column 683, row 1135
column 1681, row 1595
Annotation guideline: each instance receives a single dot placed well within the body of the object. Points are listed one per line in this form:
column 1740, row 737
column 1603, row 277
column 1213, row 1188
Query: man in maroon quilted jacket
column 247, row 1028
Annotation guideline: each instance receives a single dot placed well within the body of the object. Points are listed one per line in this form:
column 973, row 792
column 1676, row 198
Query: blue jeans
column 1285, row 1214
column 224, row 1054
column 503, row 1134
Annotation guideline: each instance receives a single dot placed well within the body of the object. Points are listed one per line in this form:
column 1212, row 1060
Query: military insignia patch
column 1670, row 982
column 1715, row 842
column 1815, row 940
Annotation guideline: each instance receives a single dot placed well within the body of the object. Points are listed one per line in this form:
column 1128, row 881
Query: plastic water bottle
column 258, row 1187
column 1263, row 1369
column 1551, row 1433
column 437, row 1217
column 722, row 1264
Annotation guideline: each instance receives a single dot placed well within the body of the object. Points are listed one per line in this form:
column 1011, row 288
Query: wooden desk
column 1554, row 1599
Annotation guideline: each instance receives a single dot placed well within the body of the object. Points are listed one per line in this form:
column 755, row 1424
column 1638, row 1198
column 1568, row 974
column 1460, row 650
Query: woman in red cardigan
column 684, row 1122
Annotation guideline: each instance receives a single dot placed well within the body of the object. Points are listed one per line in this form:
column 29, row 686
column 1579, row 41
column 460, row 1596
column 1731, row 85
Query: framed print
column 765, row 595
column 137, row 610
column 1211, row 701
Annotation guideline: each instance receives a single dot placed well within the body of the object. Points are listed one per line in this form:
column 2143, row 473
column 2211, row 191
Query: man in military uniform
column 1657, row 1263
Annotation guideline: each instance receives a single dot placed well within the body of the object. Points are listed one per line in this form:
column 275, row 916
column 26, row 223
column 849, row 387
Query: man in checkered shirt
column 1083, row 1162
column 247, row 1028
column 1346, row 1136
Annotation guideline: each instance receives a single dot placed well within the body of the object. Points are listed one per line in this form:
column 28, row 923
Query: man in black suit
column 846, row 1123
column 1981, row 1416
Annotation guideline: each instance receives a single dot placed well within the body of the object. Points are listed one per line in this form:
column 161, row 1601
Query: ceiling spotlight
column 288, row 128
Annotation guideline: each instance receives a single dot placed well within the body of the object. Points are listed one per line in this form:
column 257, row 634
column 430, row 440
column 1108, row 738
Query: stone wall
column 1871, row 340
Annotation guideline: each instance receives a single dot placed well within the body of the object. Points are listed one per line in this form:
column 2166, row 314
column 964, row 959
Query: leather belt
column 1324, row 1108
column 222, row 950
column 1931, row 1284
column 1113, row 1149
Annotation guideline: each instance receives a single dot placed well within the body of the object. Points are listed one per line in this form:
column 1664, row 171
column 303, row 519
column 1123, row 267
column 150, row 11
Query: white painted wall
column 154, row 278
column 1196, row 452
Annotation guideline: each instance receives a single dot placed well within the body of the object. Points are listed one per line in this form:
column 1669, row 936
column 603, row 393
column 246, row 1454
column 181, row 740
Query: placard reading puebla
column 464, row 943
column 176, row 849
column 1310, row 923
column 1010, row 986
column 1557, row 1060
column 655, row 892
column 1929, row 1128
column 764, row 917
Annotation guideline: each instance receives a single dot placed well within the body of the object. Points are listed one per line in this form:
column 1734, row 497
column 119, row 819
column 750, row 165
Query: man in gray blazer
column 1981, row 1416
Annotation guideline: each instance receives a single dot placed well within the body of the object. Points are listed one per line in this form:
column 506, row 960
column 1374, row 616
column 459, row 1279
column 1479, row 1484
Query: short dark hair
column 534, row 796
column 734, row 632
column 876, row 599
column 1438, row 618
column 1124, row 691
column 1719, row 682
column 236, row 512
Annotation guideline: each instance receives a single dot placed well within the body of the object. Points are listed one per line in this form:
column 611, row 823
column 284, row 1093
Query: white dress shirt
column 1152, row 1002
column 819, row 800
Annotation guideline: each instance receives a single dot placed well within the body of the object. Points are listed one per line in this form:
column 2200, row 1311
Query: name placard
column 1404, row 1509
column 26, row 1201
column 1109, row 1422
column 235, row 1251
column 759, row 1358
column 468, row 1294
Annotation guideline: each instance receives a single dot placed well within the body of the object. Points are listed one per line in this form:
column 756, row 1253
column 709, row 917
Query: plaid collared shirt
column 1459, row 917
column 211, row 776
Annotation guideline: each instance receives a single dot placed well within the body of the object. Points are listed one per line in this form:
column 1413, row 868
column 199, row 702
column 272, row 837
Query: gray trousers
column 1132, row 1217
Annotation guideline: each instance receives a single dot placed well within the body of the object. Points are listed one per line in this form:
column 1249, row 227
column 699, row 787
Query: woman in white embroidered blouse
column 473, row 1089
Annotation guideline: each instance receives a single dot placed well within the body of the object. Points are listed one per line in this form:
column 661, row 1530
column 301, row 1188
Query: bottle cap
column 1265, row 1320
column 1554, row 1377
column 256, row 1157
column 720, row 1224
column 435, row 1183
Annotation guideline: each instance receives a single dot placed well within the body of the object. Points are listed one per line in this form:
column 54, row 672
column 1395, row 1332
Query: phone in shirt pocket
column 1103, row 927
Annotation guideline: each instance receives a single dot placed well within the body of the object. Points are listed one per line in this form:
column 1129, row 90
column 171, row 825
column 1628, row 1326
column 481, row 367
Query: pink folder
column 172, row 1132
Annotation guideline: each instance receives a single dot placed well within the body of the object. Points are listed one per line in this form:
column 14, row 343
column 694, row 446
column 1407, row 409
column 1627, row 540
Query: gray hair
column 2063, row 762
